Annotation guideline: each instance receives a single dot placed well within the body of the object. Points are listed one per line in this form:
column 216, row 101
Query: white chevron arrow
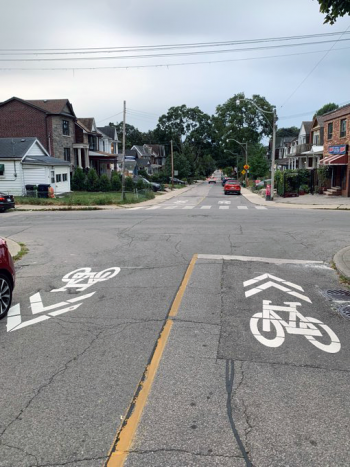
column 279, row 286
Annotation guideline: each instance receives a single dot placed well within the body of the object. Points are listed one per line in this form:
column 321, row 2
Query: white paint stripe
column 134, row 209
column 261, row 260
column 13, row 317
column 260, row 207
column 242, row 207
column 64, row 310
column 205, row 207
column 224, row 207
column 31, row 321
column 298, row 295
column 188, row 207
column 171, row 207
column 153, row 207
column 270, row 276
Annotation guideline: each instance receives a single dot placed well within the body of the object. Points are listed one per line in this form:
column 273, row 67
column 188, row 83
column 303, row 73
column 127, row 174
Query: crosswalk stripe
column 188, row 207
column 260, row 207
column 205, row 207
column 224, row 207
column 171, row 207
column 134, row 209
column 242, row 207
column 153, row 207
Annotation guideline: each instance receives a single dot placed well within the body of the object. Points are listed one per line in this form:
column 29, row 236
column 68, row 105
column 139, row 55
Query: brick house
column 52, row 121
column 336, row 149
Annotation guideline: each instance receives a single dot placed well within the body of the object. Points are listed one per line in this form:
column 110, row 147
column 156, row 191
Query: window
column 67, row 154
column 65, row 127
column 343, row 128
column 52, row 176
column 330, row 131
column 58, row 178
column 316, row 140
column 64, row 177
column 2, row 169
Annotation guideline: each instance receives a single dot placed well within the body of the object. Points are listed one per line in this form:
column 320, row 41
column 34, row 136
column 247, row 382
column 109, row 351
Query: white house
column 24, row 161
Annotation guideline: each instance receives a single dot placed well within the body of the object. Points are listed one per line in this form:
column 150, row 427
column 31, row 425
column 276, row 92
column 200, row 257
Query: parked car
column 7, row 278
column 177, row 181
column 263, row 183
column 6, row 202
column 153, row 185
column 232, row 186
column 212, row 180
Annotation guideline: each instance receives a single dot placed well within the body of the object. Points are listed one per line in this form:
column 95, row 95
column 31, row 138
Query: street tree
column 284, row 132
column 334, row 9
column 327, row 108
column 259, row 165
column 133, row 136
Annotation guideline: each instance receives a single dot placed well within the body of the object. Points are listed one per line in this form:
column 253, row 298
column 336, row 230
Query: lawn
column 85, row 198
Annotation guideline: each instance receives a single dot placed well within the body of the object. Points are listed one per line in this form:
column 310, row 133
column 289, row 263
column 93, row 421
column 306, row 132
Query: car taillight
column 2, row 199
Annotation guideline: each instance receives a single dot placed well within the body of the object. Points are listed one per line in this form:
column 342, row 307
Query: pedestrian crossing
column 171, row 207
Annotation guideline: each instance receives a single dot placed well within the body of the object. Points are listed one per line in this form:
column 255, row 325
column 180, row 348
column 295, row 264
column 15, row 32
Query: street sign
column 243, row 172
column 246, row 166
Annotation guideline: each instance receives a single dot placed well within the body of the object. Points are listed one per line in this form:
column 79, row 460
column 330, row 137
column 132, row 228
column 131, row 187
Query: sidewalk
column 301, row 202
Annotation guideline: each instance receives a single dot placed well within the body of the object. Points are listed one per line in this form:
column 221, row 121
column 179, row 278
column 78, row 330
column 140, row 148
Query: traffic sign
column 243, row 172
column 246, row 167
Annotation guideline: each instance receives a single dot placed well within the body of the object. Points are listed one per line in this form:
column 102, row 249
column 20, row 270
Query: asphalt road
column 73, row 358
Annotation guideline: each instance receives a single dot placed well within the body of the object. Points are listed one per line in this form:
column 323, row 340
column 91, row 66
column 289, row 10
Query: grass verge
column 23, row 251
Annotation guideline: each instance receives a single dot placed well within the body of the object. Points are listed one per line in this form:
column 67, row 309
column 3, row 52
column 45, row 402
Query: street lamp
column 273, row 141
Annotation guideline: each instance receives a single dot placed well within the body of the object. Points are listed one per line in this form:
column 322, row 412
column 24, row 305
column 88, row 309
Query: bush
column 129, row 184
column 79, row 180
column 104, row 183
column 92, row 180
column 140, row 185
column 116, row 182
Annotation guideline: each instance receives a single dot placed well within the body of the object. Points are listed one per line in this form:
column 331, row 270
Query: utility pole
column 172, row 165
column 123, row 163
column 246, row 163
column 273, row 154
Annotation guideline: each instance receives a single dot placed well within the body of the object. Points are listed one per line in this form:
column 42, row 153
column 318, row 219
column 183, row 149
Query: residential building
column 25, row 161
column 313, row 155
column 52, row 121
column 336, row 149
column 154, row 153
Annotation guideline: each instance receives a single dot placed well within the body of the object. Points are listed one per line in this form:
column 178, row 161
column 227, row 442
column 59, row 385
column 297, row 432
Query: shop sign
column 337, row 149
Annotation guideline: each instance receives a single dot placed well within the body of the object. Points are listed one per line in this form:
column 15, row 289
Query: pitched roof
column 44, row 160
column 55, row 106
column 141, row 150
column 109, row 131
column 320, row 121
column 307, row 126
column 87, row 122
column 15, row 147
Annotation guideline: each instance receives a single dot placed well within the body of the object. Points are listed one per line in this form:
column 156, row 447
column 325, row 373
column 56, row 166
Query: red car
column 7, row 278
column 232, row 186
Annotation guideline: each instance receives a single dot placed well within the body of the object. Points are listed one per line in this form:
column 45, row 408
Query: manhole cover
column 345, row 311
column 338, row 294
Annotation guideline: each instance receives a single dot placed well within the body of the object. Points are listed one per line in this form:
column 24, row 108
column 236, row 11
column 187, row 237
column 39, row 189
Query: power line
column 110, row 117
column 78, row 50
column 176, row 54
column 314, row 68
column 166, row 65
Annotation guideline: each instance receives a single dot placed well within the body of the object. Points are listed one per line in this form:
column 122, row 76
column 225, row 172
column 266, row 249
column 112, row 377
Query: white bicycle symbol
column 76, row 279
column 306, row 326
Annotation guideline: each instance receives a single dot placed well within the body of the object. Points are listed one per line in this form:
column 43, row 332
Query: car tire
column 5, row 295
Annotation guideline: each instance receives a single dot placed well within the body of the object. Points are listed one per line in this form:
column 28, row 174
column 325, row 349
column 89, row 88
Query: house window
column 316, row 140
column 65, row 127
column 343, row 128
column 2, row 169
column 67, row 154
column 58, row 178
column 64, row 177
column 330, row 131
column 52, row 176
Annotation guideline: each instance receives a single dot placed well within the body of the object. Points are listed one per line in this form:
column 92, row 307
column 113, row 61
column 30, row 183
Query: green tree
column 104, row 183
column 259, row 165
column 133, row 136
column 284, row 132
column 92, row 180
column 207, row 166
column 79, row 180
column 334, row 9
column 129, row 184
column 327, row 108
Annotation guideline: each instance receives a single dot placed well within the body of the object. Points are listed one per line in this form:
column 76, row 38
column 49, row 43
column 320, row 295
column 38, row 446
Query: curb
column 342, row 262
column 13, row 246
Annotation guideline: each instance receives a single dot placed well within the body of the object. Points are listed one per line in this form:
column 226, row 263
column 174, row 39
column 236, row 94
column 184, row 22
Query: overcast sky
column 99, row 93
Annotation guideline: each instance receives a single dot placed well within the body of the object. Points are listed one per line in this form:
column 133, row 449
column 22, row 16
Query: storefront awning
column 339, row 159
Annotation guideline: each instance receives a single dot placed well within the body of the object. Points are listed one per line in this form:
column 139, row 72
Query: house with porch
column 336, row 150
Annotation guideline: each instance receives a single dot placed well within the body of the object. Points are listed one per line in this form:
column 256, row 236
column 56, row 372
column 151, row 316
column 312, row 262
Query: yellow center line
column 125, row 436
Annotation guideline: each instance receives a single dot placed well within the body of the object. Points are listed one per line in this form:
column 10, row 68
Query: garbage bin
column 31, row 191
column 43, row 190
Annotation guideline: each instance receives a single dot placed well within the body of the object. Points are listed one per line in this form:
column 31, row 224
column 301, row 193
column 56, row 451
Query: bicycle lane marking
column 275, row 310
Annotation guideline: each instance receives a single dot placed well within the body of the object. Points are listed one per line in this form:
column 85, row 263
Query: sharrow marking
column 260, row 207
column 224, row 207
column 205, row 207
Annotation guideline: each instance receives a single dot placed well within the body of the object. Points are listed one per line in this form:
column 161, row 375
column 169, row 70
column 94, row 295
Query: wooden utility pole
column 172, row 165
column 123, row 163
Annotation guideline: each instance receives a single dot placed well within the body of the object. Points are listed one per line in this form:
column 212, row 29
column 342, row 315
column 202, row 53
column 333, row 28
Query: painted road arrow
column 270, row 283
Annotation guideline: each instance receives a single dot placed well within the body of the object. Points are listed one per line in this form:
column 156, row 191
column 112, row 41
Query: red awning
column 339, row 159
